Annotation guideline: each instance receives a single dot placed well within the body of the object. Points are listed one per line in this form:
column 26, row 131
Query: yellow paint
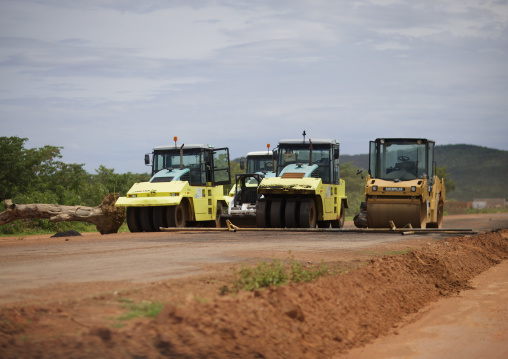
column 202, row 199
column 328, row 196
column 421, row 195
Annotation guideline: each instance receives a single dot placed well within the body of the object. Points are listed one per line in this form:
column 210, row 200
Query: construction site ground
column 389, row 295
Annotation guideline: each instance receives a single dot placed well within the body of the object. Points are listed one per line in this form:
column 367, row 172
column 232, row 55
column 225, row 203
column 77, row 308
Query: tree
column 37, row 177
column 449, row 184
column 118, row 182
column 20, row 167
column 11, row 169
column 355, row 187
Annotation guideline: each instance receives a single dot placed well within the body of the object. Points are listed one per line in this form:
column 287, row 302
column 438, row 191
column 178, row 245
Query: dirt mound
column 313, row 320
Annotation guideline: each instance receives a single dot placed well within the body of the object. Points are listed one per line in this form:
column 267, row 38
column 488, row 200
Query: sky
column 108, row 80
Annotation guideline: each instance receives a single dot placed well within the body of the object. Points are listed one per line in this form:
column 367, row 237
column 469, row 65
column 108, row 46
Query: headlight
column 413, row 188
column 374, row 188
column 133, row 195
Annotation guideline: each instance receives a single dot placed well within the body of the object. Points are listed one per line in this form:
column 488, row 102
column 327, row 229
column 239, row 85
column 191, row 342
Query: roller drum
column 380, row 214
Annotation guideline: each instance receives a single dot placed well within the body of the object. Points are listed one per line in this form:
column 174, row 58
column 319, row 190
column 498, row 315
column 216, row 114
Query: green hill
column 360, row 161
column 479, row 172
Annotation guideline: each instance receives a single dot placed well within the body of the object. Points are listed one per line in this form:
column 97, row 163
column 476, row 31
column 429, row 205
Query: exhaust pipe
column 181, row 157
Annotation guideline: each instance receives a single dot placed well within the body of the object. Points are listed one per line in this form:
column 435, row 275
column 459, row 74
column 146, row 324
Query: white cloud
column 458, row 19
column 111, row 80
column 392, row 45
column 172, row 33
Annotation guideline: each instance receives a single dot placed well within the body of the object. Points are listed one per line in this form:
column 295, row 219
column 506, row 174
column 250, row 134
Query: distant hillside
column 360, row 161
column 479, row 172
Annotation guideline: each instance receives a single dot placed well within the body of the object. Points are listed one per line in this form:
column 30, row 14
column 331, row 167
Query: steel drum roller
column 380, row 214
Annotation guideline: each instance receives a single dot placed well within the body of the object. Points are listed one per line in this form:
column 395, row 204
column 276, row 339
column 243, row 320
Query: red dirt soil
column 321, row 319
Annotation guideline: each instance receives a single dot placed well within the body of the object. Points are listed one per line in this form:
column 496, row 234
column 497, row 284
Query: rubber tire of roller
column 290, row 211
column 262, row 214
column 146, row 219
column 132, row 216
column 277, row 213
column 159, row 218
column 308, row 215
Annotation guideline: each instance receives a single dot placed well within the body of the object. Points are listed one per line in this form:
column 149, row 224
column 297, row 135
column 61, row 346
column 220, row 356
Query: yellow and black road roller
column 402, row 187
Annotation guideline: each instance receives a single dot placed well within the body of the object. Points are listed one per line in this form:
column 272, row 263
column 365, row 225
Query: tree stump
column 107, row 217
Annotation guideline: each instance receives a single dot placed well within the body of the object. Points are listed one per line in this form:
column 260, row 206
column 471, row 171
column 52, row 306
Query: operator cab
column 200, row 165
column 395, row 159
column 260, row 162
column 259, row 165
column 308, row 158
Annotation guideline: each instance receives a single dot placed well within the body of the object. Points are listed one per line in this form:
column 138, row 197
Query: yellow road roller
column 307, row 190
column 186, row 188
column 402, row 186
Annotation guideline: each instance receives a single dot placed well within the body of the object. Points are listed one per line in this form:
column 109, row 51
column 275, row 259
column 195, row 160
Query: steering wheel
column 403, row 158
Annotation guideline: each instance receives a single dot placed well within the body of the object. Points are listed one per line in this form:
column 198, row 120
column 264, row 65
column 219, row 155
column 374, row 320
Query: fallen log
column 107, row 217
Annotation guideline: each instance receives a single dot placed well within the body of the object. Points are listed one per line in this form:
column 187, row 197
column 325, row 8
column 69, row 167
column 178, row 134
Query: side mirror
column 147, row 160
column 275, row 154
column 206, row 156
column 242, row 165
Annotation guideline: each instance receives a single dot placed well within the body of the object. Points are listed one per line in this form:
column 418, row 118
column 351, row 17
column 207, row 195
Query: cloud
column 109, row 81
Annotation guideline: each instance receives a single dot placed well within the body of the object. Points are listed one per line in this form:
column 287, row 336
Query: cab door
column 199, row 185
column 220, row 167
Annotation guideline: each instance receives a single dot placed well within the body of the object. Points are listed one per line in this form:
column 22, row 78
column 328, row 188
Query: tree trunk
column 106, row 217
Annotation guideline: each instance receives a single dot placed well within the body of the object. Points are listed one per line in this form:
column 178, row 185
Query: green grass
column 299, row 273
column 123, row 228
column 274, row 273
column 138, row 310
column 24, row 231
column 485, row 211
column 32, row 227
column 125, row 300
column 387, row 253
column 263, row 275
column 117, row 325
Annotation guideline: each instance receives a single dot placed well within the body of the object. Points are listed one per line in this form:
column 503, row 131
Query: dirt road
column 36, row 262
column 76, row 282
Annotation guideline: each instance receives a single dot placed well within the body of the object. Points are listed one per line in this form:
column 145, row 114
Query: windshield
column 398, row 161
column 289, row 154
column 259, row 164
column 171, row 159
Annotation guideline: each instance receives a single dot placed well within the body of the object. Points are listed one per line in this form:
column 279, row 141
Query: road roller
column 307, row 190
column 259, row 163
column 402, row 187
column 243, row 196
column 186, row 188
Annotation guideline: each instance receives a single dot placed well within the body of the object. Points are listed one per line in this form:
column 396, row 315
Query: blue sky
column 110, row 80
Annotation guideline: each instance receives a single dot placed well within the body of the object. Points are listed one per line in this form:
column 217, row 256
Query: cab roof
column 314, row 142
column 392, row 140
column 259, row 153
column 185, row 147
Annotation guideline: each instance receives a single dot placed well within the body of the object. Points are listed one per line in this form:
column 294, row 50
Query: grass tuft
column 143, row 309
column 275, row 273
